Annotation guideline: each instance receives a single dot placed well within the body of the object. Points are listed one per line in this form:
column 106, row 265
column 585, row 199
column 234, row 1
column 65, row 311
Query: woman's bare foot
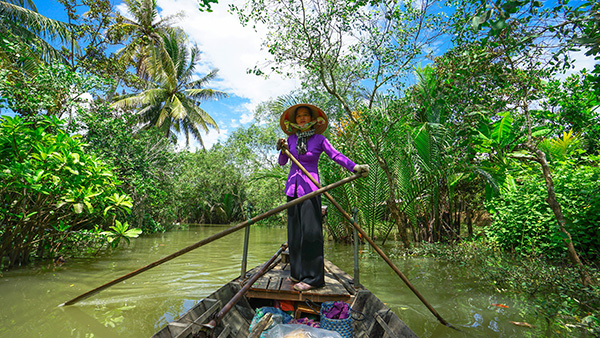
column 303, row 286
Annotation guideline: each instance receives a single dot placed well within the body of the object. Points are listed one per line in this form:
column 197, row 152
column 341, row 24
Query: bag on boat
column 299, row 331
column 335, row 316
column 279, row 317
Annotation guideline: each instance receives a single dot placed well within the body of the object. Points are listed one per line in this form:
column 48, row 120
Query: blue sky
column 225, row 45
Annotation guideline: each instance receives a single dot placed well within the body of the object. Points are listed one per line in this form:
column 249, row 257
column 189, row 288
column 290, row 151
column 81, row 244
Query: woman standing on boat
column 305, row 124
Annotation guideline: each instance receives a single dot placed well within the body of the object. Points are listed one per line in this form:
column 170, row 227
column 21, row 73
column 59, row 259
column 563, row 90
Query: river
column 140, row 306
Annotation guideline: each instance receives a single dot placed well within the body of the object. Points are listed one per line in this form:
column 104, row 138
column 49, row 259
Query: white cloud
column 230, row 47
column 246, row 118
column 581, row 61
column 209, row 140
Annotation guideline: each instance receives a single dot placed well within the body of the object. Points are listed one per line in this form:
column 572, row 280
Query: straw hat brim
column 290, row 115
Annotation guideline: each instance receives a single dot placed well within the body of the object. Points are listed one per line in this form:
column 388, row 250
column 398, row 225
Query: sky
column 225, row 45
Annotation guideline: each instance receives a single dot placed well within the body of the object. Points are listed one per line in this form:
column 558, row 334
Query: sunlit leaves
column 45, row 172
column 563, row 147
column 172, row 102
column 142, row 35
column 120, row 231
column 119, row 203
column 32, row 33
column 525, row 224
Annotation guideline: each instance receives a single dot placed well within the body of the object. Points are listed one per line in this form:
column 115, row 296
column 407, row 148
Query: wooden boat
column 262, row 287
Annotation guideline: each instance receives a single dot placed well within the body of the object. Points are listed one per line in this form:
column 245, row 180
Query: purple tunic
column 298, row 184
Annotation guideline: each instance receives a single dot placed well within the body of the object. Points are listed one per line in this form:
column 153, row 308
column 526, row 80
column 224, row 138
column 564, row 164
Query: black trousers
column 305, row 241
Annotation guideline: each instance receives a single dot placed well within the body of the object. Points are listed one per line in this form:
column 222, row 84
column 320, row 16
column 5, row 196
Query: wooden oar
column 211, row 325
column 366, row 237
column 212, row 238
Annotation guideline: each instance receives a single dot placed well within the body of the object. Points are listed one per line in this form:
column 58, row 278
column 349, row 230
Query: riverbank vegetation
column 496, row 125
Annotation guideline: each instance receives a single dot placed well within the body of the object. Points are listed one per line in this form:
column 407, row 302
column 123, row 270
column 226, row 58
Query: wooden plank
column 297, row 296
column 208, row 313
column 314, row 309
column 271, row 295
column 177, row 329
column 277, row 273
column 326, row 298
column 388, row 331
column 278, row 267
column 190, row 326
column 274, row 283
column 262, row 324
column 261, row 283
column 342, row 277
column 225, row 333
column 286, row 285
column 332, row 287
column 252, row 272
column 199, row 313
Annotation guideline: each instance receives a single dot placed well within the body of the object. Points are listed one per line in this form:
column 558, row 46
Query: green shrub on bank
column 50, row 189
column 143, row 160
column 525, row 224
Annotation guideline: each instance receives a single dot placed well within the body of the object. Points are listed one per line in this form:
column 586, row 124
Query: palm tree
column 172, row 100
column 145, row 29
column 423, row 170
column 22, row 25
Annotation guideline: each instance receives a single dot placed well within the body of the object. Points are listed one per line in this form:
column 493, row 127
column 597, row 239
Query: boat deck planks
column 375, row 319
column 275, row 284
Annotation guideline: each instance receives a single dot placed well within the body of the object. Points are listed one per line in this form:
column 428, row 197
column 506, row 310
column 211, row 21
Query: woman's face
column 303, row 116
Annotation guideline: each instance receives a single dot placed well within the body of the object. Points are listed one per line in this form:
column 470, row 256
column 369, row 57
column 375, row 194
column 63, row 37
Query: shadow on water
column 140, row 306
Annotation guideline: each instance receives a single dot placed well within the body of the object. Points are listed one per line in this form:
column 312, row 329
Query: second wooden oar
column 366, row 237
column 211, row 325
column 212, row 238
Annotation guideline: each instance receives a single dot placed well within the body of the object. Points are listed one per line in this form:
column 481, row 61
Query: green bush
column 50, row 189
column 525, row 224
column 143, row 160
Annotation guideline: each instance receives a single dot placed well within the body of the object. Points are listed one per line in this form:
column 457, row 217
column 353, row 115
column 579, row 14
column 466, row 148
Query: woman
column 305, row 124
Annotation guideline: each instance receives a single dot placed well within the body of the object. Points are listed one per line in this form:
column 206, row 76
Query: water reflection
column 140, row 306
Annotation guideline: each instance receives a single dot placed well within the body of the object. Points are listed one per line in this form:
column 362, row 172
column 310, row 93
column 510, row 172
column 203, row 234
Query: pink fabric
column 298, row 184
column 305, row 321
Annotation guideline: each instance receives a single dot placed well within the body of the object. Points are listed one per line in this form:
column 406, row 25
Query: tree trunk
column 470, row 221
column 540, row 157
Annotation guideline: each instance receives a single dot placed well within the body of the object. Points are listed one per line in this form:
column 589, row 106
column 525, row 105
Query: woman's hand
column 282, row 143
column 362, row 169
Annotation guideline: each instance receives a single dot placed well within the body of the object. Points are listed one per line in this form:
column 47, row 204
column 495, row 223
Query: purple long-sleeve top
column 298, row 184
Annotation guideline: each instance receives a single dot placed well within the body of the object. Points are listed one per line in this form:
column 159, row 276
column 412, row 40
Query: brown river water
column 141, row 305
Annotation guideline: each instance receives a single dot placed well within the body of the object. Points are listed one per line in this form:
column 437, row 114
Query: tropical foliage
column 525, row 223
column 143, row 36
column 488, row 125
column 33, row 33
column 51, row 188
column 172, row 100
column 144, row 161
